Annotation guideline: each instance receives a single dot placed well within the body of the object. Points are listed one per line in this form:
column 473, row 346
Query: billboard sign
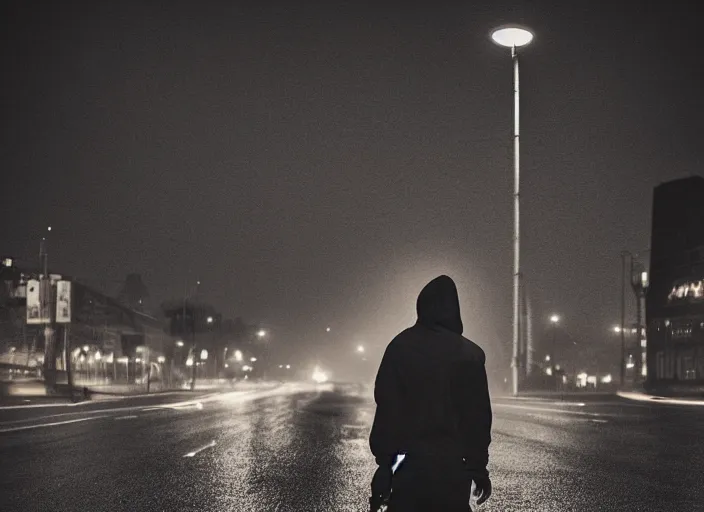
column 63, row 302
column 38, row 293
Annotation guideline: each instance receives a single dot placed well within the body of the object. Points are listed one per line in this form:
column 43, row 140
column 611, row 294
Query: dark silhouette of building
column 675, row 298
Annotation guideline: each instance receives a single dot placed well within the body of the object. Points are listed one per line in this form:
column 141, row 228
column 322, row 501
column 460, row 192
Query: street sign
column 63, row 302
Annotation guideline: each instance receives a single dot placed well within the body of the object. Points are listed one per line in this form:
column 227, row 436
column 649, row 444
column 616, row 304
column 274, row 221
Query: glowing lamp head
column 512, row 36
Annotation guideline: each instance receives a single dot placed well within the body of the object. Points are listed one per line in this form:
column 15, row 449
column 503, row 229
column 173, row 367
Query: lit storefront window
column 692, row 290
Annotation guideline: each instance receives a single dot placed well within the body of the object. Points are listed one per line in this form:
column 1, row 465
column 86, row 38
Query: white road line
column 110, row 398
column 55, row 424
column 546, row 409
column 196, row 452
column 97, row 411
column 640, row 397
column 131, row 416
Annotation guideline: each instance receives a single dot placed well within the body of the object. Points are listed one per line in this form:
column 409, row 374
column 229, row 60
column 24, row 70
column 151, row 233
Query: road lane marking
column 107, row 398
column 229, row 396
column 547, row 409
column 196, row 452
column 55, row 424
column 131, row 416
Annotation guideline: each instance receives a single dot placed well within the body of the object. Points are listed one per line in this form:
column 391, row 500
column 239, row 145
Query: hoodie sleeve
column 384, row 440
column 475, row 413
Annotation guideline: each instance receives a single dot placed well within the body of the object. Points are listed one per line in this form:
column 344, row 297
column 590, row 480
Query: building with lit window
column 675, row 298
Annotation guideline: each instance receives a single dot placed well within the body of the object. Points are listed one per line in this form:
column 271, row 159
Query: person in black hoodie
column 433, row 406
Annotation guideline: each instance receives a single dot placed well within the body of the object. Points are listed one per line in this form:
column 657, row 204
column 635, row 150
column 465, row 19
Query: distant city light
column 246, row 368
column 179, row 343
column 288, row 366
column 189, row 361
column 49, row 228
column 281, row 366
column 319, row 376
column 617, row 329
column 261, row 333
column 204, row 354
column 209, row 320
column 86, row 348
column 138, row 360
column 547, row 359
column 548, row 371
column 554, row 319
column 581, row 380
column 98, row 355
column 227, row 365
column 327, row 329
column 161, row 359
column 360, row 349
column 606, row 379
column 238, row 355
column 253, row 359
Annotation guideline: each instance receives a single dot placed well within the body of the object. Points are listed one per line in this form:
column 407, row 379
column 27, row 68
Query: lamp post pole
column 514, row 37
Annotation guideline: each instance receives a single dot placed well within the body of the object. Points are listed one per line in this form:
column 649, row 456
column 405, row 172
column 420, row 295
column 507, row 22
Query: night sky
column 315, row 163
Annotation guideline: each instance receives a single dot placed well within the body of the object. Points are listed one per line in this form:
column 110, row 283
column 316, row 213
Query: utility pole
column 45, row 295
column 624, row 254
column 639, row 283
column 67, row 361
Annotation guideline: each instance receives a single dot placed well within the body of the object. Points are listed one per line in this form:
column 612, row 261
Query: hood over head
column 439, row 305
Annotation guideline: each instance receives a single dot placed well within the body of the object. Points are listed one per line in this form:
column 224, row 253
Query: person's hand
column 381, row 487
column 483, row 488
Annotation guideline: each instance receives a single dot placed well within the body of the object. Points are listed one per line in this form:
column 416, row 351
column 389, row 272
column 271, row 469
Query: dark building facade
column 675, row 298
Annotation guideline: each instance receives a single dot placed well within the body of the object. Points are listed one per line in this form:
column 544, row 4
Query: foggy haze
column 316, row 166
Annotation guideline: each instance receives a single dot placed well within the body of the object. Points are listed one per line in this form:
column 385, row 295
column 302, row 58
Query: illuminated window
column 693, row 290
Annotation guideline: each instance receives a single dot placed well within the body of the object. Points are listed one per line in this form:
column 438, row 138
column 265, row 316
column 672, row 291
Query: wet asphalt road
column 301, row 448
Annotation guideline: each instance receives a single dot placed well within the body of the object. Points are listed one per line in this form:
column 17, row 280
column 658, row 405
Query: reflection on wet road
column 304, row 448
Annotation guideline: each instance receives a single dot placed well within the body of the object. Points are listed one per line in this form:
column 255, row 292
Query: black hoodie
column 431, row 389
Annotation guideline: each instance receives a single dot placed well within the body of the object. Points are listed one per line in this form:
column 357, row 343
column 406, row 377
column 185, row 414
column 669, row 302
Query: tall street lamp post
column 514, row 37
column 554, row 320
